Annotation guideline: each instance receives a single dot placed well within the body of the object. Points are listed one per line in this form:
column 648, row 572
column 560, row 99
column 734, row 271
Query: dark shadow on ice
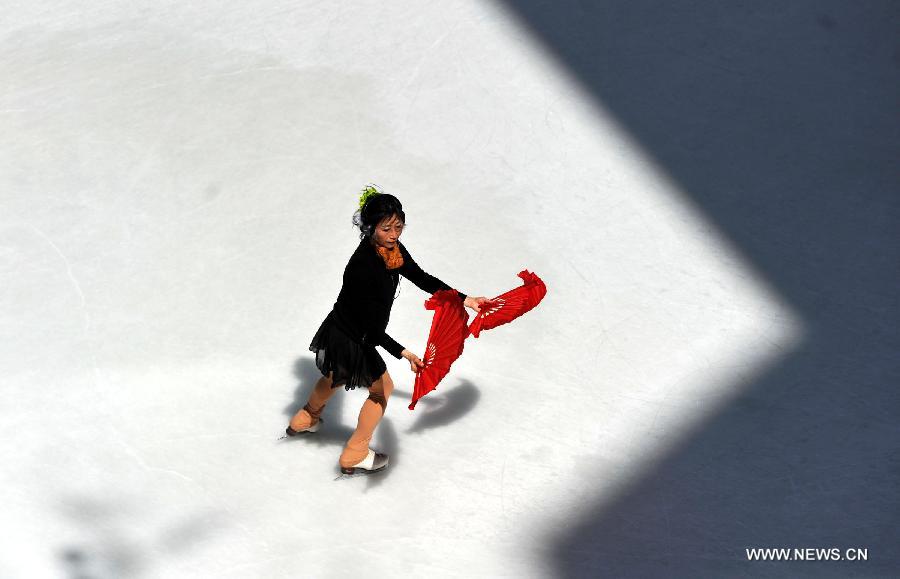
column 77, row 564
column 332, row 431
column 445, row 406
column 115, row 542
column 105, row 548
column 385, row 441
column 779, row 122
column 181, row 536
column 306, row 372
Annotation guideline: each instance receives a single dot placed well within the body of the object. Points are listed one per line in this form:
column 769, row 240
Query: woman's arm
column 415, row 363
column 398, row 351
column 429, row 283
column 390, row 345
column 474, row 303
column 424, row 281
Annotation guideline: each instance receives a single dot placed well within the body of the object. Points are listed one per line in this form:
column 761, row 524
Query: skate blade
column 291, row 433
column 291, row 436
column 294, row 436
column 353, row 472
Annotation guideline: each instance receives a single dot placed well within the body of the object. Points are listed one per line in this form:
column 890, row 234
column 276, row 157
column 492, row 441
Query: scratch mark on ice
column 84, row 310
column 68, row 272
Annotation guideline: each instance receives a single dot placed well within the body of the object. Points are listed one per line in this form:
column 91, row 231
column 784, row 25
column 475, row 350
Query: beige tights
column 369, row 416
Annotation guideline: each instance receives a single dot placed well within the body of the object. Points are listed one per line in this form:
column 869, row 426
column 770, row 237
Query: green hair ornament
column 368, row 192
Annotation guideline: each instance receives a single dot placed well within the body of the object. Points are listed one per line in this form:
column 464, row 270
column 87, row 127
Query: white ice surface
column 177, row 181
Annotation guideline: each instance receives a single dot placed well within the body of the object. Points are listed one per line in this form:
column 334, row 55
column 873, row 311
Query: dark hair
column 377, row 208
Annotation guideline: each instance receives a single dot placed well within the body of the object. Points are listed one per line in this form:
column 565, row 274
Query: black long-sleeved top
column 363, row 306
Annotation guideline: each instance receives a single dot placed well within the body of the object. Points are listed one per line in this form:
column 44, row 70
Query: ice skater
column 345, row 341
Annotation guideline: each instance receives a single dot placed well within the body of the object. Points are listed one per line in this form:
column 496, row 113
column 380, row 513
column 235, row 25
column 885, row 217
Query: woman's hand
column 474, row 303
column 415, row 363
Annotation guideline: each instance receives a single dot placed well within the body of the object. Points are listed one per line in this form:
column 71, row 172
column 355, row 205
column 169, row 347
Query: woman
column 345, row 342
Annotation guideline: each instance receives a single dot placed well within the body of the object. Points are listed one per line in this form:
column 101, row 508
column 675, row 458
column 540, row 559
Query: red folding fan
column 509, row 306
column 445, row 341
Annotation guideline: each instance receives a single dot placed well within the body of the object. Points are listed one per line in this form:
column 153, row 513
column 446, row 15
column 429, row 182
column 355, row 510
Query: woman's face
column 388, row 232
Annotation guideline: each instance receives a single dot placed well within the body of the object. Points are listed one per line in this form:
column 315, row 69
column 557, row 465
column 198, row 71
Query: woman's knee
column 387, row 384
column 381, row 390
column 323, row 388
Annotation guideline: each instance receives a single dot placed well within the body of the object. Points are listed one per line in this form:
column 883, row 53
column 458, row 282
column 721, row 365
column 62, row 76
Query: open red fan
column 445, row 341
column 510, row 305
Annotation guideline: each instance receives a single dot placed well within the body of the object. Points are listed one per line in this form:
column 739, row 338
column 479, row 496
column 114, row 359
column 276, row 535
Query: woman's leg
column 372, row 410
column 310, row 413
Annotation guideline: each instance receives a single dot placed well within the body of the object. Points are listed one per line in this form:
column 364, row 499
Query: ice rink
column 710, row 191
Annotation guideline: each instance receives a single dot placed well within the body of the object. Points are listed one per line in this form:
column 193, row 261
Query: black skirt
column 353, row 365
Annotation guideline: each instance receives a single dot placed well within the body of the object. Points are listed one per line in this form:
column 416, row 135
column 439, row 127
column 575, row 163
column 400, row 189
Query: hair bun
column 369, row 191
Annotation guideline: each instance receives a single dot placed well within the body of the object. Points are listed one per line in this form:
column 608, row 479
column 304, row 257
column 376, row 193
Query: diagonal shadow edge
column 777, row 123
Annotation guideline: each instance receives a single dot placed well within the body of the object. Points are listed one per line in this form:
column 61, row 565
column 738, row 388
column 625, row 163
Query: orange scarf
column 392, row 257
